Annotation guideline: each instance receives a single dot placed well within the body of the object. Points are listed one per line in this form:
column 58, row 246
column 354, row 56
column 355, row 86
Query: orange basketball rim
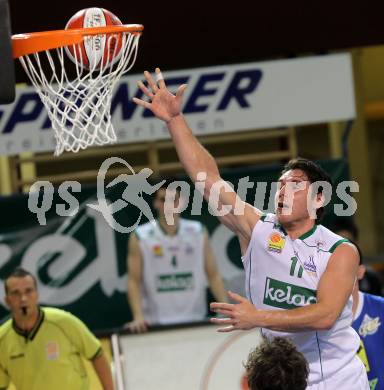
column 29, row 43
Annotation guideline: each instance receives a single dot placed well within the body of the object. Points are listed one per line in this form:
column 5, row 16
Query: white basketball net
column 79, row 108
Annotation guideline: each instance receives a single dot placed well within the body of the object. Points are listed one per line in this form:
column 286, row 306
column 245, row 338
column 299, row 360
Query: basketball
column 97, row 51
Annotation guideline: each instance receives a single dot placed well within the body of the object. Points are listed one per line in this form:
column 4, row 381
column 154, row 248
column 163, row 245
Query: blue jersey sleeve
column 369, row 325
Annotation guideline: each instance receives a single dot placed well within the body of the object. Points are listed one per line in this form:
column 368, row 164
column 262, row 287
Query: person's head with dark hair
column 19, row 273
column 368, row 279
column 276, row 365
column 21, row 293
column 167, row 200
column 166, row 181
column 302, row 191
column 345, row 227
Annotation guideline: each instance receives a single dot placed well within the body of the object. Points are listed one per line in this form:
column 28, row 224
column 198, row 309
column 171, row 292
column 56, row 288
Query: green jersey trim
column 337, row 243
column 280, row 227
column 276, row 225
column 308, row 233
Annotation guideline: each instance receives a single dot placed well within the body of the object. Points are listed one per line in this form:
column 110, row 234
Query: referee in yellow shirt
column 41, row 348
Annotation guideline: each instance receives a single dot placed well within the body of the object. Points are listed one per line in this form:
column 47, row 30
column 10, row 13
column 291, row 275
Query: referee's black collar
column 30, row 335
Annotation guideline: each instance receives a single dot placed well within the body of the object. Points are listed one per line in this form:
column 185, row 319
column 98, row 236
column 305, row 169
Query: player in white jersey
column 169, row 269
column 293, row 282
column 318, row 314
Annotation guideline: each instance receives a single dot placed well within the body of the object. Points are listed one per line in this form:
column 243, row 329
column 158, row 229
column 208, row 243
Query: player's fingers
column 236, row 297
column 143, row 328
column 132, row 328
column 229, row 312
column 224, row 313
column 226, row 329
column 180, row 90
column 221, row 305
column 151, row 82
column 145, row 90
column 142, row 103
column 222, row 321
column 160, row 78
column 138, row 327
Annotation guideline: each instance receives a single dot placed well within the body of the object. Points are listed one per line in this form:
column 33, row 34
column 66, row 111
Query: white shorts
column 353, row 377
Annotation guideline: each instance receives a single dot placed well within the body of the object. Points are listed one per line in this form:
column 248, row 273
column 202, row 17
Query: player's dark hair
column 168, row 181
column 347, row 224
column 314, row 174
column 371, row 282
column 18, row 273
column 276, row 365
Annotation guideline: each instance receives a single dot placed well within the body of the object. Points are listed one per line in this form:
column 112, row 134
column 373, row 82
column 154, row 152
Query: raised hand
column 241, row 315
column 163, row 103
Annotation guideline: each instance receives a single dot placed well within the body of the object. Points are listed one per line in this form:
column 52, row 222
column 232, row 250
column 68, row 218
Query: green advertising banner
column 80, row 260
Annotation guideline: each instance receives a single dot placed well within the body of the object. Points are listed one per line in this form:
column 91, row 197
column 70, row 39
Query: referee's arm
column 89, row 346
column 103, row 370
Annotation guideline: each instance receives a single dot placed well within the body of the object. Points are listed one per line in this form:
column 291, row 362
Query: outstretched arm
column 334, row 289
column 241, row 217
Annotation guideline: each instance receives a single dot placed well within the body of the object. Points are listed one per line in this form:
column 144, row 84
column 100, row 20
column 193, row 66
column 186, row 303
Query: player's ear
column 319, row 200
column 6, row 299
column 361, row 271
column 323, row 191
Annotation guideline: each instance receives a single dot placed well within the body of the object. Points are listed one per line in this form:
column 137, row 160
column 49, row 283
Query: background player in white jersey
column 169, row 267
column 304, row 286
